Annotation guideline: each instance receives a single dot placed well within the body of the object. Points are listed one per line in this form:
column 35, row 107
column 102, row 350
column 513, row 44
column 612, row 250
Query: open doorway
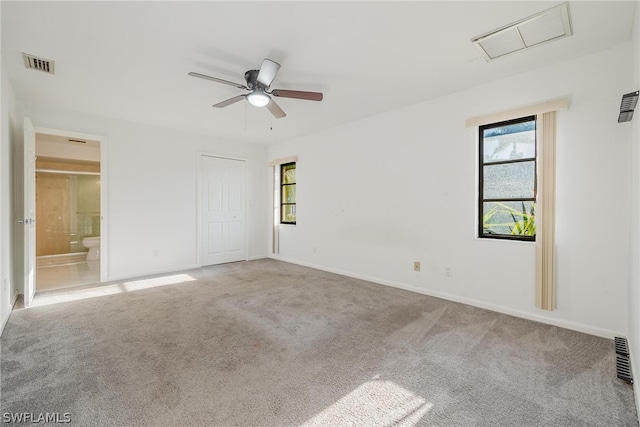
column 68, row 211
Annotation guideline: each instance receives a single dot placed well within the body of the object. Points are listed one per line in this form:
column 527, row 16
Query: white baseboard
column 567, row 324
column 133, row 275
column 636, row 392
column 6, row 319
column 4, row 323
column 635, row 371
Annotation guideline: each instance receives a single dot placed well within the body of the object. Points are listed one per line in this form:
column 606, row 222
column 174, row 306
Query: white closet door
column 222, row 203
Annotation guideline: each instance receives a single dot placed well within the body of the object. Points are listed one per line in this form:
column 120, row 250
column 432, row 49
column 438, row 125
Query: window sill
column 489, row 239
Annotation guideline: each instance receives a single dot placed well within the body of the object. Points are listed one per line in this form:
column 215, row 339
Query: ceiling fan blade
column 298, row 94
column 275, row 109
column 268, row 72
column 215, row 79
column 230, row 101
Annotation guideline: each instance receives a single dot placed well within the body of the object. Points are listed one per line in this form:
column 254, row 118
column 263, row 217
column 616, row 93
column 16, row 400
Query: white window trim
column 278, row 162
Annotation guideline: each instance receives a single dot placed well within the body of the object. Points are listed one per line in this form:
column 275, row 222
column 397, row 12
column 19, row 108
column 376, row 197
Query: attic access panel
column 549, row 25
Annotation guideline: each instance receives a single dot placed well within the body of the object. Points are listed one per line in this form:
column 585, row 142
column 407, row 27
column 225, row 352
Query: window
column 507, row 196
column 288, row 193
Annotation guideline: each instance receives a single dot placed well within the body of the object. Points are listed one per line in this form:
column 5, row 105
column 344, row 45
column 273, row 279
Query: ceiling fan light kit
column 258, row 84
column 258, row 98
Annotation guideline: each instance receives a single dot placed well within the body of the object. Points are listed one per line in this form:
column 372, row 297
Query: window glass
column 288, row 214
column 289, row 173
column 520, row 145
column 509, row 218
column 288, row 193
column 508, row 180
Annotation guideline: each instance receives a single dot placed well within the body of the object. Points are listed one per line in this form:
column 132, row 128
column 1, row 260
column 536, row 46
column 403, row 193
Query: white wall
column 152, row 189
column 634, row 282
column 50, row 146
column 375, row 195
column 9, row 129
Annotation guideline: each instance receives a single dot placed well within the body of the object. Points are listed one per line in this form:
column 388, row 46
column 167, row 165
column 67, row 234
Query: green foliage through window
column 519, row 222
column 288, row 193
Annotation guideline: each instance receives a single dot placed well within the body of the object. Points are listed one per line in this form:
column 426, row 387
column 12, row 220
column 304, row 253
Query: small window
column 288, row 193
column 507, row 199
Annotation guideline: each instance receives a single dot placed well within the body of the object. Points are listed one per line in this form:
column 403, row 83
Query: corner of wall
column 634, row 279
column 6, row 207
column 10, row 190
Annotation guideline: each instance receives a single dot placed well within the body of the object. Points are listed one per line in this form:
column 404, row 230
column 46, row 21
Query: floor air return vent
column 623, row 364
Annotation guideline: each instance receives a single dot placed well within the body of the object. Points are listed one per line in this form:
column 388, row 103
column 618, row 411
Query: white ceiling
column 130, row 60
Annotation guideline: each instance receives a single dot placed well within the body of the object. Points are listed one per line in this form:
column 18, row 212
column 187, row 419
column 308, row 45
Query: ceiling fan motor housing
column 251, row 77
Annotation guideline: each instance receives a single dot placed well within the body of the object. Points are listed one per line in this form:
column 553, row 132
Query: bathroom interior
column 68, row 218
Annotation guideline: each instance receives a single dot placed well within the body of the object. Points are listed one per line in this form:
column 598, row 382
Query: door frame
column 104, row 193
column 28, row 212
column 199, row 202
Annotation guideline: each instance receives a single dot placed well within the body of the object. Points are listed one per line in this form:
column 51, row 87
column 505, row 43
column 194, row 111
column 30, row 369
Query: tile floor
column 65, row 272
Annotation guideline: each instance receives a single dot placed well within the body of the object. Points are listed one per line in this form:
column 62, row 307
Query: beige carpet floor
column 266, row 343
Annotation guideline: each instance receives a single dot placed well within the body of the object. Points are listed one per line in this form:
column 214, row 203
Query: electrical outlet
column 416, row 265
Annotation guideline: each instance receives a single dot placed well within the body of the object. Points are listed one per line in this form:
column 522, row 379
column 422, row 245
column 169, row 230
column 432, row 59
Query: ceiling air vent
column 543, row 27
column 627, row 105
column 40, row 64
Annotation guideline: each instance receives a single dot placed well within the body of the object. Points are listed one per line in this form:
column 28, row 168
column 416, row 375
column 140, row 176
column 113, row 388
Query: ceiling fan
column 258, row 83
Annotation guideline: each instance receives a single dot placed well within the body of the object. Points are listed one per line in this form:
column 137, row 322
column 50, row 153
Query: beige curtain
column 545, row 211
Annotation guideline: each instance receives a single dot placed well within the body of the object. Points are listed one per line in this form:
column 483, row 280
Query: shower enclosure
column 67, row 211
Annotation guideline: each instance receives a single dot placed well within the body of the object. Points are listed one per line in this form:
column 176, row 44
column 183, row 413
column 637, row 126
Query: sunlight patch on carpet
column 374, row 403
column 56, row 297
column 155, row 282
